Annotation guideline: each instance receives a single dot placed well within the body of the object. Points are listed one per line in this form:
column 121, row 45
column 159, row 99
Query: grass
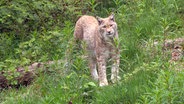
column 56, row 87
column 146, row 74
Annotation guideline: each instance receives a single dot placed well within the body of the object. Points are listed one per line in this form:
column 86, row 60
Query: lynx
column 99, row 34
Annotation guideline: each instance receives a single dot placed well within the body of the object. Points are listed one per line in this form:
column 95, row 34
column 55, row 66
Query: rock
column 27, row 74
column 176, row 47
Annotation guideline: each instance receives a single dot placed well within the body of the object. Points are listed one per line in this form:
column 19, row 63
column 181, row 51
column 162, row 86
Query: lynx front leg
column 102, row 71
column 115, row 69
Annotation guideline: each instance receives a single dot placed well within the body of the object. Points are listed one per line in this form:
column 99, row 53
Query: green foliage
column 23, row 20
column 19, row 16
column 42, row 30
column 168, row 88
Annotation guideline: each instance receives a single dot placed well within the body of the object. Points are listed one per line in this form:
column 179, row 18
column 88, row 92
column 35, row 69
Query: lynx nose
column 108, row 32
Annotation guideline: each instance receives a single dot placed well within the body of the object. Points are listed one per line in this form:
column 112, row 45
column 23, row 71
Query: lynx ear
column 111, row 17
column 100, row 20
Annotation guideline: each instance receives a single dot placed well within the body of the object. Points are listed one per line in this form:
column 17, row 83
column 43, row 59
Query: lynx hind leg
column 78, row 35
column 115, row 70
column 78, row 32
column 93, row 68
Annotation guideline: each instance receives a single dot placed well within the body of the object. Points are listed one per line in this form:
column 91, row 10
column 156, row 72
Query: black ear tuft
column 112, row 17
column 99, row 20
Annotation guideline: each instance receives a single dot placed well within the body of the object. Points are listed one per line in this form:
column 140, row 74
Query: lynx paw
column 103, row 84
column 115, row 79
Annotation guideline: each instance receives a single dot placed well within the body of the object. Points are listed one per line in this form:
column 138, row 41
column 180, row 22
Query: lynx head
column 107, row 27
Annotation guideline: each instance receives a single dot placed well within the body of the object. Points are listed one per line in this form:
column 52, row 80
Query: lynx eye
column 104, row 26
column 111, row 25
